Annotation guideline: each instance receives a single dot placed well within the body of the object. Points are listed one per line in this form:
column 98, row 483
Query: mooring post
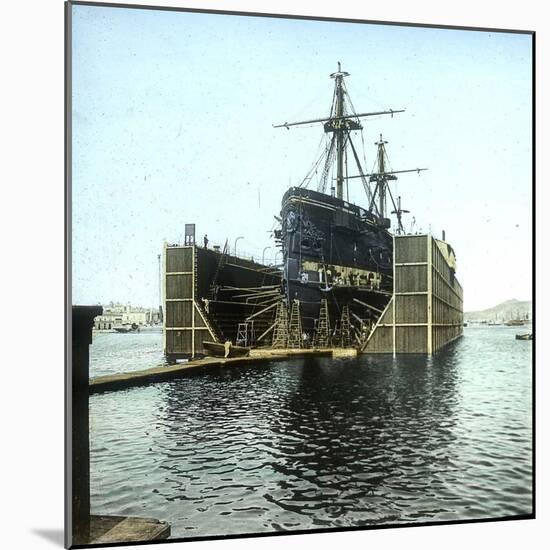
column 79, row 374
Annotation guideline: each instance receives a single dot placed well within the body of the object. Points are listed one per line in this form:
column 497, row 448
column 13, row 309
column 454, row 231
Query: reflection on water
column 323, row 443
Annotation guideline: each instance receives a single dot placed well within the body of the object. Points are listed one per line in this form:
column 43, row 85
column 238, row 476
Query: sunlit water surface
column 322, row 443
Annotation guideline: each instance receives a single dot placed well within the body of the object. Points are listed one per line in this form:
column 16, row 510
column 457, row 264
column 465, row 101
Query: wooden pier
column 162, row 373
column 123, row 529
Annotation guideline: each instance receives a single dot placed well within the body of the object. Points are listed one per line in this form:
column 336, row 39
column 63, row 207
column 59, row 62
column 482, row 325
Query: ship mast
column 339, row 130
column 340, row 123
column 381, row 178
column 399, row 214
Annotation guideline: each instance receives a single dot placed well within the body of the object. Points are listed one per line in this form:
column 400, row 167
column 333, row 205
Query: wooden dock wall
column 193, row 315
column 186, row 325
column 425, row 312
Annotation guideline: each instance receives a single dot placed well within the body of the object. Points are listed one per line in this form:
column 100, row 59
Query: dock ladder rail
column 212, row 292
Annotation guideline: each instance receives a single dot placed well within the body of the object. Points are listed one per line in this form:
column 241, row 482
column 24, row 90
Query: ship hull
column 336, row 251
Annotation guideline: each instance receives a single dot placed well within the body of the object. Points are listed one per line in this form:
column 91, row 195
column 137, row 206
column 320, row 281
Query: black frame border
column 68, row 268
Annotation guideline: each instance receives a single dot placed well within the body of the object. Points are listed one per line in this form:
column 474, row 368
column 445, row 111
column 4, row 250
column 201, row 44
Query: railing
column 241, row 254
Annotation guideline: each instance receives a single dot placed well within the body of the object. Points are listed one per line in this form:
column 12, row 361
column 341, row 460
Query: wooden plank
column 132, row 529
column 162, row 373
column 182, row 328
column 368, row 306
column 266, row 332
column 262, row 311
column 410, row 278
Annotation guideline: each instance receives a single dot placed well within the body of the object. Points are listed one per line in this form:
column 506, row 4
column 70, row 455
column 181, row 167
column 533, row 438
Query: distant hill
column 511, row 309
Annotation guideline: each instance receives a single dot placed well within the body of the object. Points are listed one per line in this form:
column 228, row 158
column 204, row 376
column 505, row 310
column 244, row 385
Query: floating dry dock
column 211, row 296
column 425, row 312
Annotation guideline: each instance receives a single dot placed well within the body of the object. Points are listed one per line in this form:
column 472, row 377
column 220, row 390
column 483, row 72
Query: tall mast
column 339, row 130
column 399, row 213
column 340, row 123
column 383, row 179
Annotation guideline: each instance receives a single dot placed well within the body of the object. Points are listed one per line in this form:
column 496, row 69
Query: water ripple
column 319, row 443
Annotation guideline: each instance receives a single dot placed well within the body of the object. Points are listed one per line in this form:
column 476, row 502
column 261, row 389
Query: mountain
column 511, row 309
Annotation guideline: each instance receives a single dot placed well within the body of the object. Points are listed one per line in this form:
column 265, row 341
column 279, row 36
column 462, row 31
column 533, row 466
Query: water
column 320, row 443
column 113, row 353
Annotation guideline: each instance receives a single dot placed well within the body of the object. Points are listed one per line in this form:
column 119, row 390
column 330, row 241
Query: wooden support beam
column 268, row 301
column 257, row 294
column 368, row 306
column 372, row 291
column 250, row 288
column 261, row 311
column 249, row 304
column 359, row 320
column 265, row 333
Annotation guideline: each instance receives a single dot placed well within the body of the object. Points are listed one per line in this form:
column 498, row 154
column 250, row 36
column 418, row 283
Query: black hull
column 336, row 251
column 310, row 298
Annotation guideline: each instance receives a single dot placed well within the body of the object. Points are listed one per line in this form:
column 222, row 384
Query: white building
column 115, row 315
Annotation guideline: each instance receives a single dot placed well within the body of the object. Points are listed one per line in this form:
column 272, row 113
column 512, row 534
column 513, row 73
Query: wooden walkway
column 162, row 373
column 117, row 529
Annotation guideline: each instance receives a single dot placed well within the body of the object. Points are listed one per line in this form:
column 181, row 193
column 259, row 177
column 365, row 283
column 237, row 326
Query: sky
column 172, row 124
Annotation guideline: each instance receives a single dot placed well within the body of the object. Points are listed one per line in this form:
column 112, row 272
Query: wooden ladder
column 295, row 327
column 323, row 326
column 212, row 292
column 280, row 332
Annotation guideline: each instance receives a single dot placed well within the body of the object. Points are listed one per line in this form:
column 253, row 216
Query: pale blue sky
column 172, row 124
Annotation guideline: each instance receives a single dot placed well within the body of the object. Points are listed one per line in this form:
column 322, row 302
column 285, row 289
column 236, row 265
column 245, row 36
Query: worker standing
column 206, row 241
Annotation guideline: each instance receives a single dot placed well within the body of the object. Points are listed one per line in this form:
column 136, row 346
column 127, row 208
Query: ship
column 335, row 250
column 514, row 323
column 334, row 287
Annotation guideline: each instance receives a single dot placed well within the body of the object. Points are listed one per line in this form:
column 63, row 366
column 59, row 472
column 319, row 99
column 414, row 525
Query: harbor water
column 316, row 443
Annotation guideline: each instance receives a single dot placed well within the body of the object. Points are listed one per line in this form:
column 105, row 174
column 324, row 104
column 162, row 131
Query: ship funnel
column 443, row 235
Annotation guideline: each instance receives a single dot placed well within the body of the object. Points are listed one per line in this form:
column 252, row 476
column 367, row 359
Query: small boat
column 219, row 350
column 524, row 336
column 515, row 323
column 127, row 327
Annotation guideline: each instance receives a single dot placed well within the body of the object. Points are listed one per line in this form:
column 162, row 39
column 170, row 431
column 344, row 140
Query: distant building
column 115, row 315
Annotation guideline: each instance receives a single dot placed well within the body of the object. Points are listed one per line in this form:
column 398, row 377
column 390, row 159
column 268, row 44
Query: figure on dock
column 205, row 242
column 227, row 347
